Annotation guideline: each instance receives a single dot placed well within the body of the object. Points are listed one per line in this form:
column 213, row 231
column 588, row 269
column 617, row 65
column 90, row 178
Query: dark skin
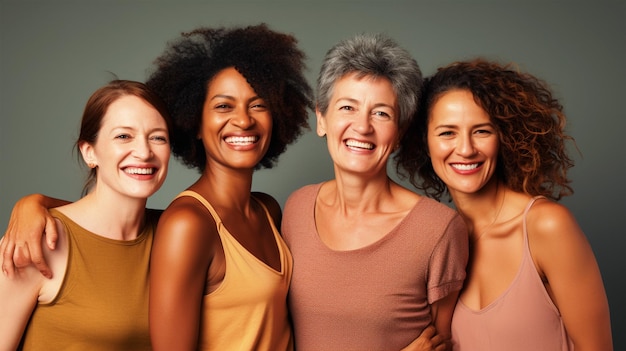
column 187, row 247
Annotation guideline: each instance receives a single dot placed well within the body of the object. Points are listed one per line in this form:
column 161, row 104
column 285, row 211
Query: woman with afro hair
column 493, row 138
column 220, row 271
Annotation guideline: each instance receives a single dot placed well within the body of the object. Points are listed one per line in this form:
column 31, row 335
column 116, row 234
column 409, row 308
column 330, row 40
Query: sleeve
column 446, row 271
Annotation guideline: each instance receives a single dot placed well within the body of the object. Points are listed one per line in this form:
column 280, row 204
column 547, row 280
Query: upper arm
column 441, row 311
column 18, row 298
column 565, row 258
column 447, row 271
column 181, row 254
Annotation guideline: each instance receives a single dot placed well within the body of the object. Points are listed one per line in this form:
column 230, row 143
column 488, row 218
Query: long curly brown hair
column 532, row 157
column 270, row 61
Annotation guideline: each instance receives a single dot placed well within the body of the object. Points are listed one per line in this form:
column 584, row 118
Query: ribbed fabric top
column 103, row 300
column 376, row 297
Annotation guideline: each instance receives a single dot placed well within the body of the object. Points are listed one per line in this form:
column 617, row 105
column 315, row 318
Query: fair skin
column 236, row 130
column 463, row 146
column 361, row 127
column 132, row 153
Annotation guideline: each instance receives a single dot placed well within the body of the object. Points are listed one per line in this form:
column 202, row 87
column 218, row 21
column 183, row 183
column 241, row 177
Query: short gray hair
column 374, row 55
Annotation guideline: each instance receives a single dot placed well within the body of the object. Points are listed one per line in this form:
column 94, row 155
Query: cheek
column 490, row 147
column 165, row 154
column 437, row 150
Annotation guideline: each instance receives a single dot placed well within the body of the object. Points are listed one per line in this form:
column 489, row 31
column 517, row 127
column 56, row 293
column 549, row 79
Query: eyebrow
column 380, row 104
column 230, row 97
column 454, row 126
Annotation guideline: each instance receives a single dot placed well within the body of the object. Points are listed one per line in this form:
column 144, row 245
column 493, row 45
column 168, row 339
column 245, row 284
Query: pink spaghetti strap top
column 522, row 318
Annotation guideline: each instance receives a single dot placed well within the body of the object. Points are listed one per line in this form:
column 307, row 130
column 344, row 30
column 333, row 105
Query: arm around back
column 22, row 244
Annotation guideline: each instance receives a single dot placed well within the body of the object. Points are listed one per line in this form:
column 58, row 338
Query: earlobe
column 88, row 154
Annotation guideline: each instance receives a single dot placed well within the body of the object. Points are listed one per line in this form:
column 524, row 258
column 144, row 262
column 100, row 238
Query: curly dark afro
column 270, row 61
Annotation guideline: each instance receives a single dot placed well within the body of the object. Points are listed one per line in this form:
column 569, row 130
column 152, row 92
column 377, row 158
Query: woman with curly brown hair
column 493, row 139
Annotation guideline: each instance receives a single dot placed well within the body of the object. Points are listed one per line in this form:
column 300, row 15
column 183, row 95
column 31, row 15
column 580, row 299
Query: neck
column 109, row 215
column 226, row 187
column 357, row 194
column 481, row 210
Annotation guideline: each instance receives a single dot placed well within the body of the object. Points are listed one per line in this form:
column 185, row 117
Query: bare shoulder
column 271, row 204
column 186, row 220
column 556, row 240
column 268, row 200
column 57, row 260
column 548, row 220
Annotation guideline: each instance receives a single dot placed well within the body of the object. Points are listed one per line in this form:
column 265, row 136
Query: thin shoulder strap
column 267, row 212
column 528, row 206
column 203, row 201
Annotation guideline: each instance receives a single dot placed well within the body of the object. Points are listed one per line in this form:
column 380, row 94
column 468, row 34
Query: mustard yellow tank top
column 102, row 303
column 248, row 311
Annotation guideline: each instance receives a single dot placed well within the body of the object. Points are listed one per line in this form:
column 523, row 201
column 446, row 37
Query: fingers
column 429, row 331
column 7, row 248
column 51, row 232
column 32, row 253
column 444, row 346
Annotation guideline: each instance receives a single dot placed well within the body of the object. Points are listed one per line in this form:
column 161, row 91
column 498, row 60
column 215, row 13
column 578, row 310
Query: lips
column 355, row 144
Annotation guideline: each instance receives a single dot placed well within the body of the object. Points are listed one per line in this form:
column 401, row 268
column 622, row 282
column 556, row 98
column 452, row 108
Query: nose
column 143, row 149
column 242, row 118
column 465, row 146
column 362, row 123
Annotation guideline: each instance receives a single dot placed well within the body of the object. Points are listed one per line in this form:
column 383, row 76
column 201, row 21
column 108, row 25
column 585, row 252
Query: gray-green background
column 54, row 54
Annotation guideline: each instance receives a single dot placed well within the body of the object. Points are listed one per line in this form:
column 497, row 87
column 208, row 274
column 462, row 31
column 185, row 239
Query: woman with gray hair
column 374, row 262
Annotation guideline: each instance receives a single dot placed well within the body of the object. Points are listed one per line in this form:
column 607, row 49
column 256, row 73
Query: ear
column 321, row 123
column 88, row 153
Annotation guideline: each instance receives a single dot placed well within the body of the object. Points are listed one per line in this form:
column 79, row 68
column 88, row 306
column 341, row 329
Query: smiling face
column 361, row 124
column 236, row 123
column 131, row 150
column 462, row 142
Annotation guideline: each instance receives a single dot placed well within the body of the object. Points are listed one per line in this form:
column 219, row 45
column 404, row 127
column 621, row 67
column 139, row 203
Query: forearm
column 45, row 201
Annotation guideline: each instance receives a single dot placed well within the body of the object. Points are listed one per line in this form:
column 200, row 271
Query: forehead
column 130, row 110
column 354, row 84
column 456, row 103
column 228, row 79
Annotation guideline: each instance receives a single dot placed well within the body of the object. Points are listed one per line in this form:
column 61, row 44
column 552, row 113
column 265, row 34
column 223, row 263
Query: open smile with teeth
column 135, row 170
column 359, row 144
column 239, row 140
column 465, row 166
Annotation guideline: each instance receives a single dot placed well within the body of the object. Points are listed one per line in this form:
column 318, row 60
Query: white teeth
column 134, row 170
column 359, row 144
column 465, row 167
column 241, row 140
